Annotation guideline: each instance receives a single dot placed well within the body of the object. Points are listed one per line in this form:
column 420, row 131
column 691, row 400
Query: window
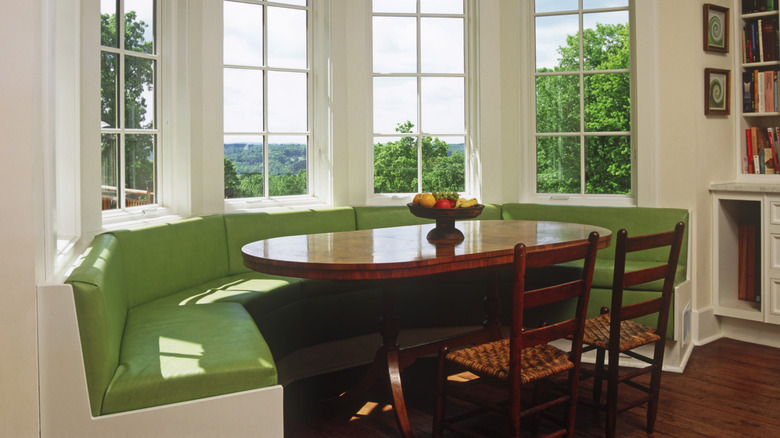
column 419, row 95
column 583, row 134
column 129, row 102
column 267, row 95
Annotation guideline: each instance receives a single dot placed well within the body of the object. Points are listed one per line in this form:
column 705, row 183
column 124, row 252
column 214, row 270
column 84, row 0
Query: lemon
column 427, row 200
column 416, row 200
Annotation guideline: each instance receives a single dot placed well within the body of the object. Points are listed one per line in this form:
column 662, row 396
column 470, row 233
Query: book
column 768, row 40
column 756, row 148
column 761, row 86
column 769, row 91
column 772, row 134
column 749, row 149
column 742, row 262
column 760, row 30
column 747, row 92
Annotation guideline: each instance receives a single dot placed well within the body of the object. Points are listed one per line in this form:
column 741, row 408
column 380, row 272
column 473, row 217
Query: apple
column 443, row 203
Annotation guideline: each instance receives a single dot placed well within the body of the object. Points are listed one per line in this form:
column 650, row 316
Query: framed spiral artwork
column 717, row 91
column 716, row 28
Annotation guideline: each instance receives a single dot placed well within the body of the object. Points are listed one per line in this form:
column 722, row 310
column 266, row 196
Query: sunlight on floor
column 368, row 408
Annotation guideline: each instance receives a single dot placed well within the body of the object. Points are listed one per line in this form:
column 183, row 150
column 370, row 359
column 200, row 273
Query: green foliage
column 244, row 170
column 395, row 165
column 607, row 108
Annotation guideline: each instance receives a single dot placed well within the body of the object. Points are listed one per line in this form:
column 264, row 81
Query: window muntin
column 129, row 62
column 419, row 95
column 583, row 137
column 267, row 98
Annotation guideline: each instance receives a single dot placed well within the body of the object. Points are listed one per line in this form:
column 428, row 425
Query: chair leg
column 655, row 386
column 612, row 392
column 597, row 378
column 441, row 380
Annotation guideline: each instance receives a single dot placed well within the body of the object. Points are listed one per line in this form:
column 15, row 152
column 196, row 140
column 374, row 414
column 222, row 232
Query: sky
column 394, row 52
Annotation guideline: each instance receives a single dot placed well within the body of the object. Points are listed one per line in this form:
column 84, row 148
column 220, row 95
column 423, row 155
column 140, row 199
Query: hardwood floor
column 729, row 389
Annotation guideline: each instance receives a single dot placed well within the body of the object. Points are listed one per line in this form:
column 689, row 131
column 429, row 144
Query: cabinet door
column 771, row 281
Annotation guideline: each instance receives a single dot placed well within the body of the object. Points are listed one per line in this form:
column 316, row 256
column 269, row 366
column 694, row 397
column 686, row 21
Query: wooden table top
column 403, row 252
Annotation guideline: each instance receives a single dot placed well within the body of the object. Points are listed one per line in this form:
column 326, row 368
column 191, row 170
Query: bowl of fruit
column 445, row 208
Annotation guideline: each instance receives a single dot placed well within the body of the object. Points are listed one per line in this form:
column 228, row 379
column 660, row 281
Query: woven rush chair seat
column 632, row 334
column 492, row 359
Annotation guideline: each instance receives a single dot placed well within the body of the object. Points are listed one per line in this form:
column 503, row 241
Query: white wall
column 22, row 123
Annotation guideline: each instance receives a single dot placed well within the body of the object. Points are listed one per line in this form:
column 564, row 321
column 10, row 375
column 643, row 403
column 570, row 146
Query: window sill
column 248, row 205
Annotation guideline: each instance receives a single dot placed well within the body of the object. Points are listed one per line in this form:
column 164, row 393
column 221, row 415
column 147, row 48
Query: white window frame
column 318, row 130
column 122, row 215
column 529, row 119
column 471, row 99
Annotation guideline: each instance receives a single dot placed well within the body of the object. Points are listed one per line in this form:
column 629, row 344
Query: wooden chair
column 616, row 333
column 526, row 356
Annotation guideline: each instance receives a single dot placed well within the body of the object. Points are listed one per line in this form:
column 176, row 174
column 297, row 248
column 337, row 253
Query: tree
column 139, row 79
column 607, row 109
column 395, row 165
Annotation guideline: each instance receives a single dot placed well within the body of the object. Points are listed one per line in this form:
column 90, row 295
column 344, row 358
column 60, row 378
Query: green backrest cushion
column 164, row 259
column 101, row 307
column 398, row 215
column 243, row 228
column 636, row 221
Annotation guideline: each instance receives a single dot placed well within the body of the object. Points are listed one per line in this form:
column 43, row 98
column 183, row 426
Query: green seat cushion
column 257, row 292
column 176, row 353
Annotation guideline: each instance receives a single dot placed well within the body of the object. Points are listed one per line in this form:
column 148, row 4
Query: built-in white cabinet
column 734, row 206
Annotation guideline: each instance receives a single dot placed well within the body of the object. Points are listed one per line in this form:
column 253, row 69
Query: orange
column 416, row 200
column 427, row 200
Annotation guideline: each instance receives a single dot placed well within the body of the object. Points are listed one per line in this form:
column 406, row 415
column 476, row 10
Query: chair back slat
column 548, row 333
column 549, row 257
column 552, row 294
column 631, row 311
column 650, row 241
column 645, row 275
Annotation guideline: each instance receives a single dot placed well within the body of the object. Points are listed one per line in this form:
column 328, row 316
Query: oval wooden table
column 404, row 252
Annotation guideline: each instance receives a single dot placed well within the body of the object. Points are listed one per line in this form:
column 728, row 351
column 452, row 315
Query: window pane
column 606, row 42
column 596, row 4
column 286, row 38
column 287, row 165
column 395, row 103
column 406, row 6
column 394, row 45
column 139, row 25
column 558, row 165
column 555, row 5
column 139, row 169
column 608, row 102
column 557, row 43
column 557, row 104
column 395, row 165
column 608, row 165
column 287, row 97
column 108, row 23
column 444, row 164
column 441, row 45
column 139, row 92
column 243, row 34
column 108, row 92
column 243, row 96
column 443, row 104
column 109, row 171
column 243, row 166
column 441, row 6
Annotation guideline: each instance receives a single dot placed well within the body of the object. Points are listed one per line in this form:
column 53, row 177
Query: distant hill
column 284, row 158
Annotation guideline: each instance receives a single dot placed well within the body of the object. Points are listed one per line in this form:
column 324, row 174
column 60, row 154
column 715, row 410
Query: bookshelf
column 758, row 93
